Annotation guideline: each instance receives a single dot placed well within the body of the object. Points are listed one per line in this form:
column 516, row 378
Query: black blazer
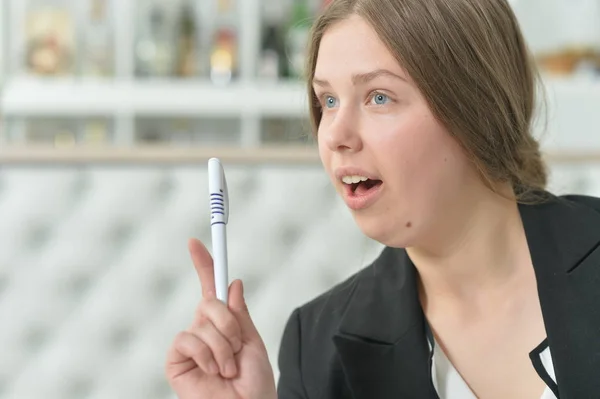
column 366, row 337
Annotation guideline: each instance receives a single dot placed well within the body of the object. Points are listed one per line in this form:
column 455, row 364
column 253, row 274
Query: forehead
column 352, row 46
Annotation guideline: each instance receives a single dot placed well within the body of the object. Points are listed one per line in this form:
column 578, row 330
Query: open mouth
column 364, row 187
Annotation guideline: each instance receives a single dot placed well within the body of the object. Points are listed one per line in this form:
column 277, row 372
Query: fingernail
column 230, row 368
column 213, row 368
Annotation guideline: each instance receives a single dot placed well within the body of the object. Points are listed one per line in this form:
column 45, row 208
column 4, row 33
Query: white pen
column 219, row 214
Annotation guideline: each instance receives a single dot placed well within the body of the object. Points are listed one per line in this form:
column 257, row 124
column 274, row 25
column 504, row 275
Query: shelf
column 30, row 96
column 171, row 98
column 291, row 154
column 573, row 104
column 157, row 154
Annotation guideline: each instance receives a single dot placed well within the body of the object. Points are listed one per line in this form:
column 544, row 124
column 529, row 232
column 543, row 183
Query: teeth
column 354, row 179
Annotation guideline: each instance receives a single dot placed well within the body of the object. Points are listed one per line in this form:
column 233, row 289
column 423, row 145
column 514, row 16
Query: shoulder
column 324, row 312
column 308, row 361
column 587, row 201
column 313, row 324
column 321, row 315
column 568, row 208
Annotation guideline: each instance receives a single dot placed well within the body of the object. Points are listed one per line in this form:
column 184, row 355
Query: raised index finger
column 203, row 263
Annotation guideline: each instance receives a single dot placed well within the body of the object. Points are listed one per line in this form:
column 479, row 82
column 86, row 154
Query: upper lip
column 354, row 171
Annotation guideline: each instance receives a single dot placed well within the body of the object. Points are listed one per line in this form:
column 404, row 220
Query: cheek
column 422, row 155
column 411, row 140
column 325, row 155
column 324, row 152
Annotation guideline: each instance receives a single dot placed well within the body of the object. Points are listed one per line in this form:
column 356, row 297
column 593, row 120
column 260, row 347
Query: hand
column 221, row 355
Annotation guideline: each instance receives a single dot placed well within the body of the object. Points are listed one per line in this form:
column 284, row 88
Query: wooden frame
column 171, row 155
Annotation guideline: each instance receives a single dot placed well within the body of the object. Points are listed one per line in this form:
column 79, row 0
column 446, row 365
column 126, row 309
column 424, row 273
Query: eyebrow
column 362, row 78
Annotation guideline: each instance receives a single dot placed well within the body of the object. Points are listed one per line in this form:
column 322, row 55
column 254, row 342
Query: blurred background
column 109, row 111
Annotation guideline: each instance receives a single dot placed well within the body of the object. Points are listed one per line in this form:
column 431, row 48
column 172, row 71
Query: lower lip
column 357, row 202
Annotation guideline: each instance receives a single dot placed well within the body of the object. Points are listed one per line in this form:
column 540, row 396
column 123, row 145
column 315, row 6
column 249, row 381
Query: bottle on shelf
column 297, row 37
column 272, row 63
column 95, row 132
column 64, row 139
column 224, row 48
column 98, row 49
column 49, row 41
column 50, row 132
column 154, row 49
column 150, row 131
column 223, row 56
column 187, row 42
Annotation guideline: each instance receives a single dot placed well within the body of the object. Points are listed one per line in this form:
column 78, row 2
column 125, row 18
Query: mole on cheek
column 408, row 224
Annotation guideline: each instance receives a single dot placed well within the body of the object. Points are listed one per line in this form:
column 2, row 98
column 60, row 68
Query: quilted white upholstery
column 95, row 279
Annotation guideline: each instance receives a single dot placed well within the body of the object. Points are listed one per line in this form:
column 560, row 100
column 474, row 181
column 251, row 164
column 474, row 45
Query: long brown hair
column 471, row 63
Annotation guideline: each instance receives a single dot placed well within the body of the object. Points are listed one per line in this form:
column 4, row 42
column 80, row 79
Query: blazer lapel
column 381, row 339
column 563, row 238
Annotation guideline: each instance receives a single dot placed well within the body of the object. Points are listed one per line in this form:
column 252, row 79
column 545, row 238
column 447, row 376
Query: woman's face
column 377, row 125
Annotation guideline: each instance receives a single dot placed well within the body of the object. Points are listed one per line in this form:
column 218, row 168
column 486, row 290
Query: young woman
column 489, row 286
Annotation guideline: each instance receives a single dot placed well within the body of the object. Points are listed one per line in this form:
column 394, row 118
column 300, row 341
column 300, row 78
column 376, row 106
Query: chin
column 386, row 232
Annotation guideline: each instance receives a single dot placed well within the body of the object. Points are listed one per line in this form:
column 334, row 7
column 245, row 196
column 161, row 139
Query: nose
column 342, row 134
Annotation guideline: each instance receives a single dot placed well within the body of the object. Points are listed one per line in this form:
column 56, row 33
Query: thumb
column 238, row 306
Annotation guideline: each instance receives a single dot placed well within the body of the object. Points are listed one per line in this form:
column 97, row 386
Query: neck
column 477, row 250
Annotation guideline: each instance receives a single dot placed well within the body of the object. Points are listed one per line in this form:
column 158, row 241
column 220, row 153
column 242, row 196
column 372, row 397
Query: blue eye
column 330, row 102
column 380, row 99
